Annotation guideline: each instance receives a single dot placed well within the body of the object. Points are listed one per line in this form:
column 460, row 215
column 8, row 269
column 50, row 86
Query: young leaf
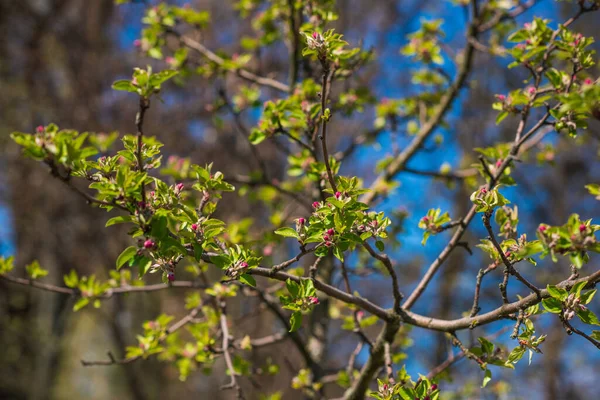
column 126, row 255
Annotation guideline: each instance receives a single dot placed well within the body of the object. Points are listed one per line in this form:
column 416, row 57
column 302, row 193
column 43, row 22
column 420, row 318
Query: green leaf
column 126, row 255
column 71, row 280
column 552, row 305
column 82, row 302
column 292, row 287
column 588, row 317
column 295, row 321
column 587, row 297
column 380, row 245
column 557, row 293
column 34, row 270
column 124, row 85
column 487, row 378
column 486, row 345
column 577, row 288
column 248, row 280
column 119, row 220
column 516, row 355
column 595, row 335
column 157, row 79
column 338, row 253
column 222, row 261
column 287, row 232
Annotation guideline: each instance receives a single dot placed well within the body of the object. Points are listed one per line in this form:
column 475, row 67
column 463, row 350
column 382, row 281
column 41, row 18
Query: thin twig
column 390, row 268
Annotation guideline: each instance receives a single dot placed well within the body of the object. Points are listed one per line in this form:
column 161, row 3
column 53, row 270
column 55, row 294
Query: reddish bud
column 531, row 90
column 326, row 238
column 338, row 195
column 179, row 187
column 542, row 228
column 316, row 204
column 588, row 81
column 171, row 276
column 582, row 228
column 507, row 254
column 149, row 243
column 501, row 97
column 434, row 387
column 483, row 191
column 313, row 300
column 328, row 244
column 315, row 35
column 301, row 221
column 498, row 163
column 244, row 264
column 425, row 219
column 137, row 42
column 170, row 60
column 385, row 387
column 39, row 129
column 330, row 232
column 194, row 227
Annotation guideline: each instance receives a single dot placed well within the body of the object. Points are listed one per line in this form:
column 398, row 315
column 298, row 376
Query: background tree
column 273, row 153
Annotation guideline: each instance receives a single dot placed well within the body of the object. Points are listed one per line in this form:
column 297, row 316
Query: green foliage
column 433, row 223
column 168, row 206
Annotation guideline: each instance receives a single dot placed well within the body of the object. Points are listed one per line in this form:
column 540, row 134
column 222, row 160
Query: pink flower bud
column 483, row 191
column 170, row 60
column 315, row 35
column 301, row 221
column 137, row 42
column 588, row 81
column 149, row 243
column 501, row 97
column 338, row 195
column 171, row 276
column 194, row 227
column 425, row 219
column 134, row 81
column 434, row 387
column 244, row 264
column 316, row 204
column 582, row 228
column 179, row 187
column 313, row 300
column 326, row 238
column 498, row 163
column 267, row 250
column 328, row 244
column 39, row 129
column 542, row 228
column 527, row 25
column 331, row 231
column 531, row 90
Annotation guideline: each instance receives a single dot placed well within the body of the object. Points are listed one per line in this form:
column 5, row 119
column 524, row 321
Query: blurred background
column 58, row 59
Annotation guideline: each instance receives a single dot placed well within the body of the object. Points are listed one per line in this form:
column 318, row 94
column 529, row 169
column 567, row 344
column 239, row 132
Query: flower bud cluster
column 571, row 305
